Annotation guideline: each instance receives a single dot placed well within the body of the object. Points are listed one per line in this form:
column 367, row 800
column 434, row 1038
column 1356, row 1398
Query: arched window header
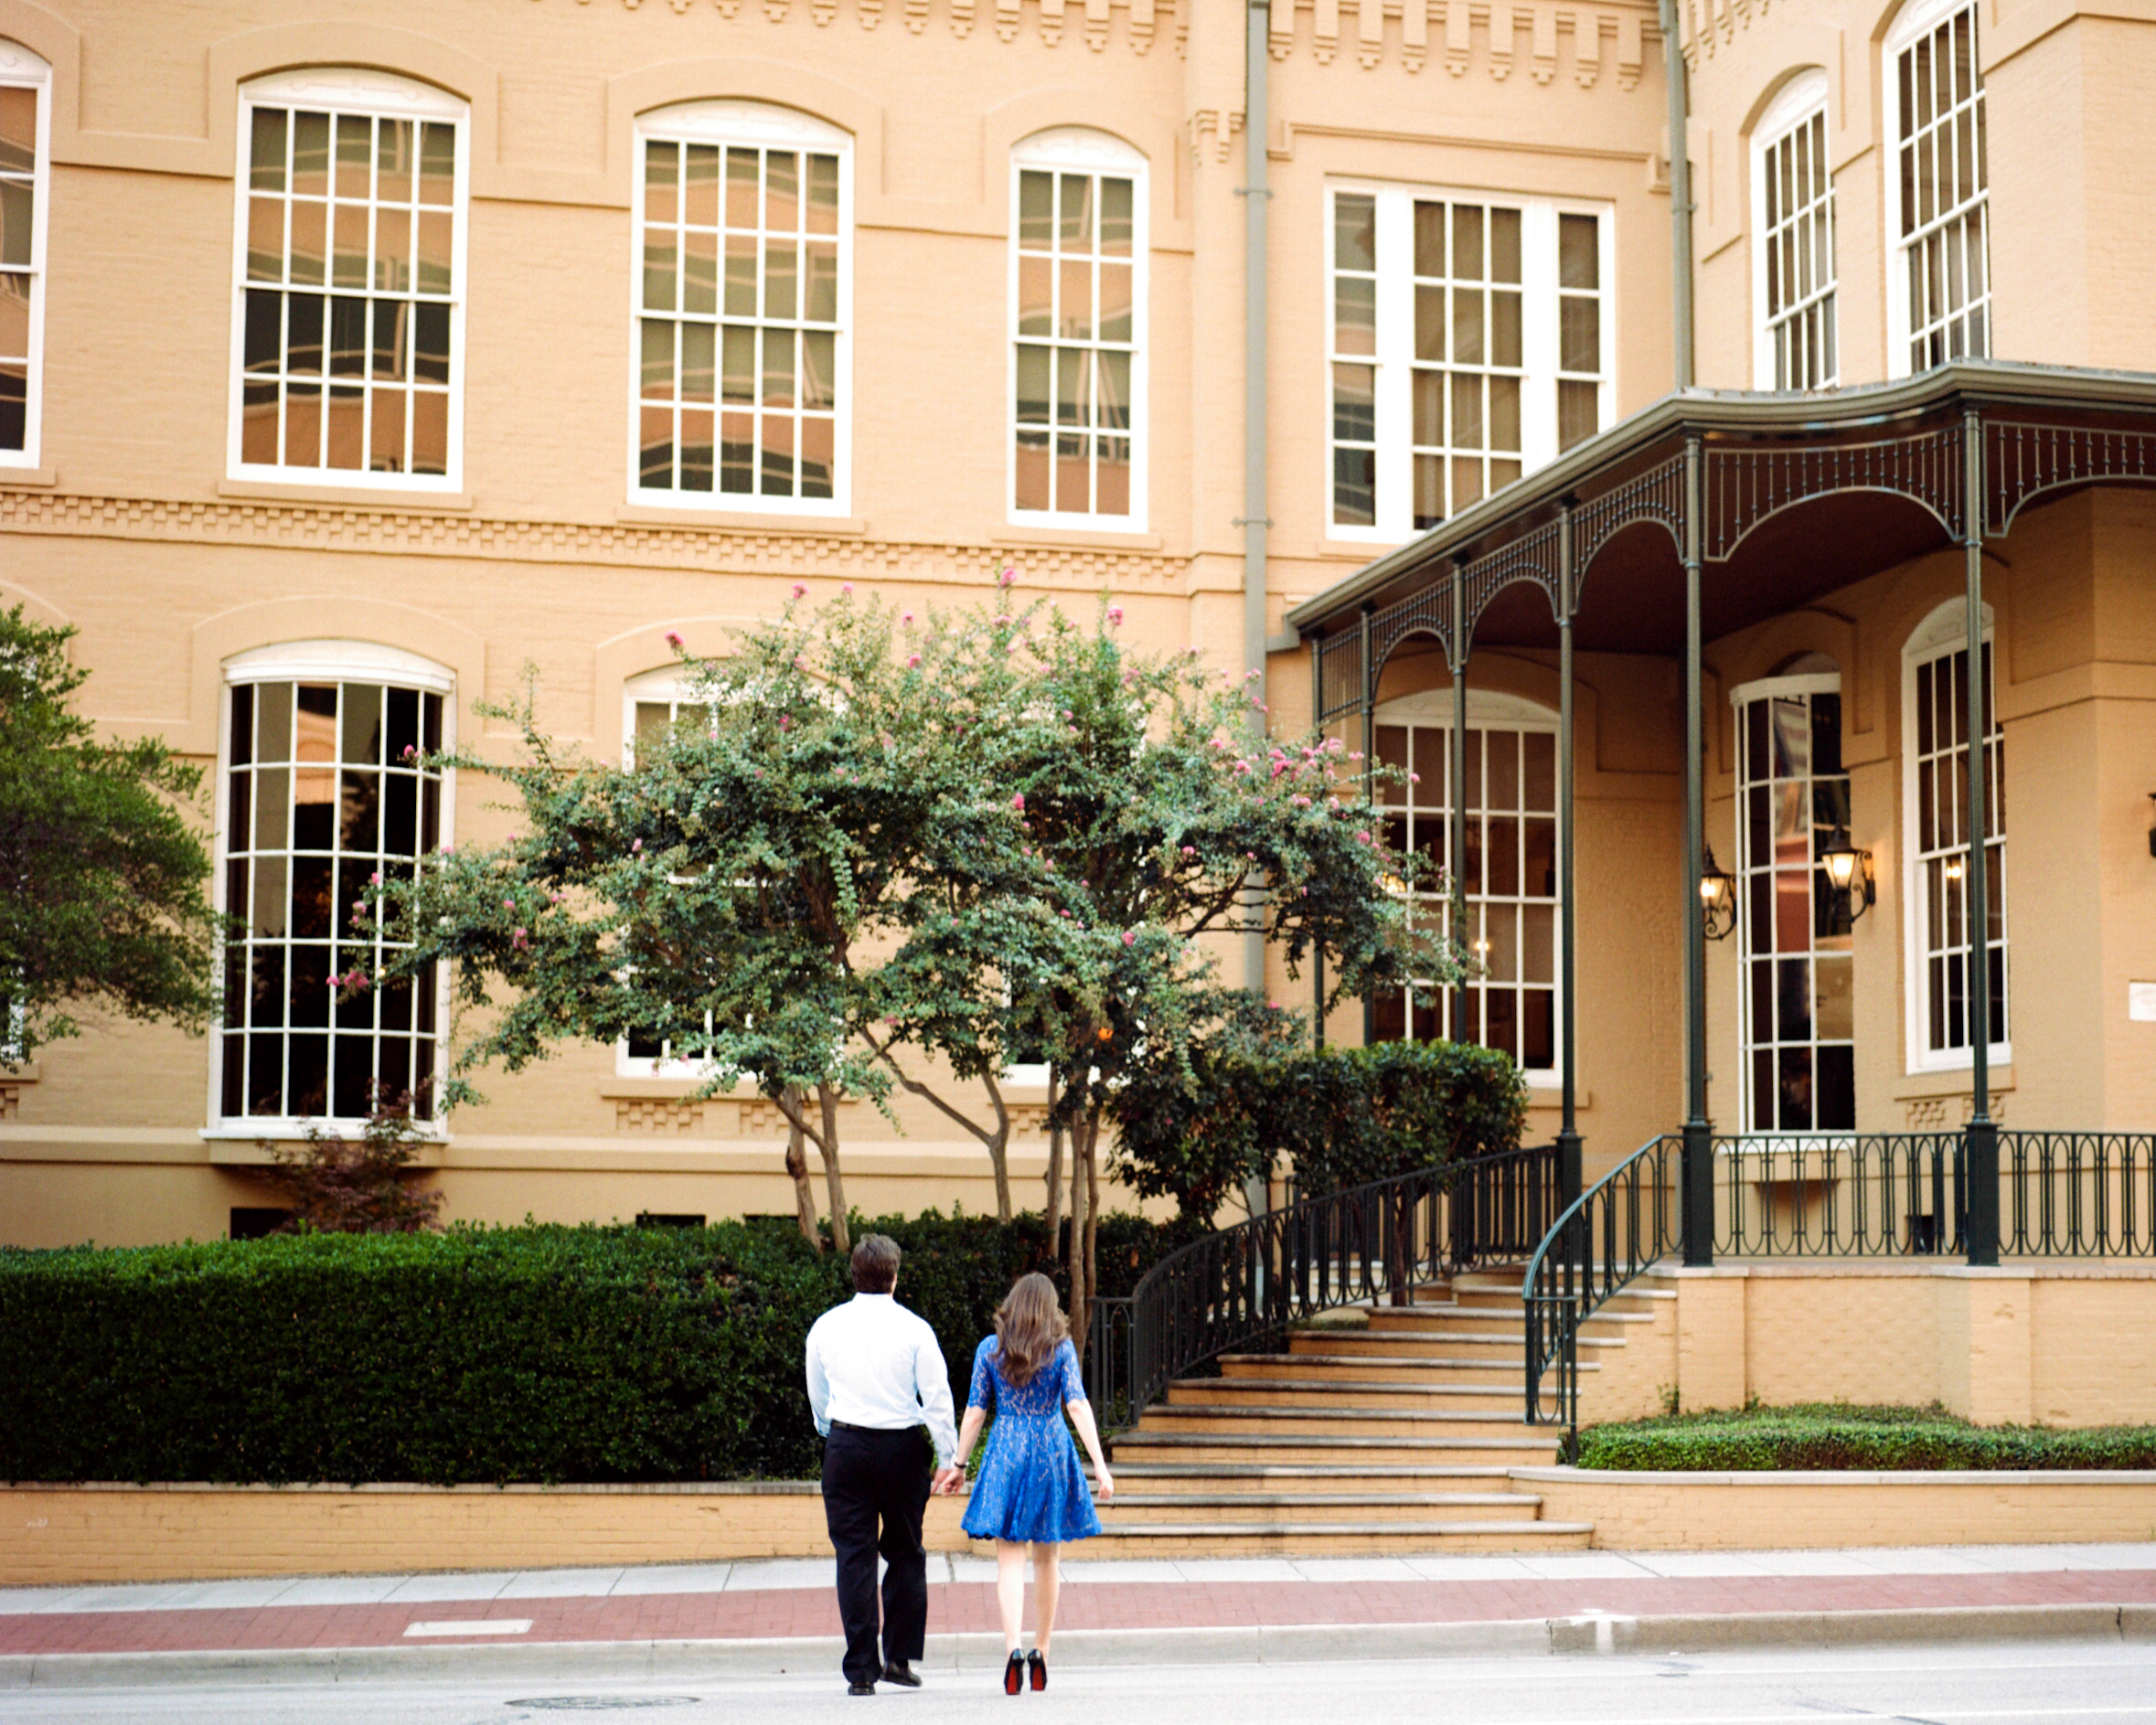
column 1078, row 147
column 336, row 661
column 1793, row 101
column 1917, row 17
column 1946, row 624
column 342, row 86
column 728, row 121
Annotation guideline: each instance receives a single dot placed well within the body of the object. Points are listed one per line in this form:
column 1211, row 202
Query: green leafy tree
column 102, row 868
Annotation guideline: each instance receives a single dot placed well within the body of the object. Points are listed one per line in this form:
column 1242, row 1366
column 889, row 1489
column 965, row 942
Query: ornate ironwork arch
column 1428, row 612
column 1532, row 558
column 1340, row 674
column 1747, row 488
column 1655, row 495
column 2024, row 463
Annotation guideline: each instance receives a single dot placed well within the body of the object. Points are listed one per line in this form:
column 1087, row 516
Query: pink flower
column 520, row 939
column 785, row 721
column 1019, row 802
column 674, row 639
column 1189, row 850
column 1008, row 576
column 375, row 879
column 799, row 590
column 410, row 753
column 511, row 904
column 906, row 616
column 1115, row 615
column 1362, row 838
column 1299, row 802
column 1003, row 623
column 358, row 979
column 913, row 661
column 337, row 981
column 638, row 845
column 359, row 907
column 846, row 586
column 1131, row 937
column 1414, row 778
column 1062, row 913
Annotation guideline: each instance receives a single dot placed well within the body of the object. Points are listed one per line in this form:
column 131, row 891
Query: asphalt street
column 2068, row 1682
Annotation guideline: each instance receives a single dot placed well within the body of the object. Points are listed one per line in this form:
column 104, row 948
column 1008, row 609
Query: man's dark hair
column 875, row 1264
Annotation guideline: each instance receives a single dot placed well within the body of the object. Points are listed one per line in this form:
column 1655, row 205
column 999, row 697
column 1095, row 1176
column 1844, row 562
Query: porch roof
column 1795, row 496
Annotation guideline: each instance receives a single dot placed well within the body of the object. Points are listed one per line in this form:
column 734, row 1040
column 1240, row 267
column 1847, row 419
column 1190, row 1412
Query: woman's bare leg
column 1047, row 1582
column 1010, row 1590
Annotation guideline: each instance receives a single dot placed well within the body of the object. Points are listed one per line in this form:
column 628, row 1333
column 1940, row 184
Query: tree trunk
column 1000, row 1160
column 1093, row 1211
column 1054, row 1206
column 1079, row 1261
column 826, row 1095
column 803, row 1193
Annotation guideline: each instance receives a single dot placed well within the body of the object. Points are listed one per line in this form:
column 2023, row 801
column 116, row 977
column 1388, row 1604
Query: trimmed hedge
column 1837, row 1436
column 537, row 1353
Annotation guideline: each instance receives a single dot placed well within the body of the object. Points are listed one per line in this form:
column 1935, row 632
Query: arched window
column 1938, row 299
column 1795, row 1005
column 1935, row 780
column 347, row 314
column 322, row 787
column 26, row 183
column 1793, row 245
column 1078, row 330
column 741, row 390
column 1509, row 872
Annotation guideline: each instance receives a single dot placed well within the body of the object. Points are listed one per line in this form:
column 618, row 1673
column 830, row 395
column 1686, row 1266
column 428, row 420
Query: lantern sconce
column 2152, row 823
column 1849, row 872
column 1717, row 900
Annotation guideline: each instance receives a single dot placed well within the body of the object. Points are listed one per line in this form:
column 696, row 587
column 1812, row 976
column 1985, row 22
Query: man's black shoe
column 860, row 1688
column 901, row 1671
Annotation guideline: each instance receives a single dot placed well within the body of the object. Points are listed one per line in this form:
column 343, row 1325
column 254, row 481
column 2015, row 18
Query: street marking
column 471, row 1626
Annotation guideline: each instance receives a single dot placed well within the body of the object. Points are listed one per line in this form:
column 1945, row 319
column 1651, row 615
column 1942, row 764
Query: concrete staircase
column 1382, row 1429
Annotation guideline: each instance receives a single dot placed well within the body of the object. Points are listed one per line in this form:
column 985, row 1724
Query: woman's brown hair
column 1030, row 1327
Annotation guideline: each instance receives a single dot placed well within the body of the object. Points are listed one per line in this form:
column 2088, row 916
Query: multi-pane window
column 25, row 81
column 1797, row 1001
column 324, row 789
column 1077, row 293
column 1794, row 196
column 1469, row 342
column 1942, row 245
column 1507, row 875
column 350, row 280
column 742, row 237
column 1938, row 766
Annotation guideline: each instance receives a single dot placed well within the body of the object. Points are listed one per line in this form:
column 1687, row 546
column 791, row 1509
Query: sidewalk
column 758, row 1612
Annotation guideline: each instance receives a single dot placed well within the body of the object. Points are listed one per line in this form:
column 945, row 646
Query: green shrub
column 537, row 1353
column 1838, row 1436
column 1344, row 1116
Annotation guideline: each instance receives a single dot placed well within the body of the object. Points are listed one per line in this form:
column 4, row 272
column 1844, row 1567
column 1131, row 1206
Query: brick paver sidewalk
column 750, row 1602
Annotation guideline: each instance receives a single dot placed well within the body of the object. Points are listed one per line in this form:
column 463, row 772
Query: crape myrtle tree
column 1158, row 817
column 102, row 868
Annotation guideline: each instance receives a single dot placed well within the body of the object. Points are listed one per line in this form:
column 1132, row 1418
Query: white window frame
column 759, row 125
column 1940, row 634
column 1919, row 18
column 1394, row 360
column 21, row 69
column 326, row 661
column 1489, row 710
column 1082, row 150
column 1798, row 101
column 346, row 89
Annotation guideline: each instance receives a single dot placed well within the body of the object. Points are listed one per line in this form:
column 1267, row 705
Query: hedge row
column 537, row 1353
column 1824, row 1436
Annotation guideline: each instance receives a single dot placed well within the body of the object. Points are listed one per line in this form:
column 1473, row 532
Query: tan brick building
column 350, row 362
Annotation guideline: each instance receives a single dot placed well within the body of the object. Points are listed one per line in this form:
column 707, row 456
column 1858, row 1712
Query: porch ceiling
column 1799, row 495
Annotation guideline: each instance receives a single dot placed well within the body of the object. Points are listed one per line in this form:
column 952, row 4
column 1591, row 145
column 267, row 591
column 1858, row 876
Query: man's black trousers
column 875, row 1491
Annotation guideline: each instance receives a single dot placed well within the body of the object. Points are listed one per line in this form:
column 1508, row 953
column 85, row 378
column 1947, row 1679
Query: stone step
column 1493, row 1370
column 1261, row 1477
column 1119, row 1539
column 1334, row 1419
column 1495, row 1398
column 1315, row 1507
column 1240, row 1448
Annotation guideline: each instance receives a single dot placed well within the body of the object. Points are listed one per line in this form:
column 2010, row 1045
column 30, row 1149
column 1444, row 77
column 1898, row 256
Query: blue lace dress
column 1031, row 1486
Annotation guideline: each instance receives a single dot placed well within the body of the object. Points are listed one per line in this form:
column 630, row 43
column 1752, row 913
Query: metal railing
column 1370, row 1242
column 2077, row 1193
column 1605, row 1239
column 1840, row 1195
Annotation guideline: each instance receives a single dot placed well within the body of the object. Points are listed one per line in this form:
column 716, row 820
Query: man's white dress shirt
column 872, row 1363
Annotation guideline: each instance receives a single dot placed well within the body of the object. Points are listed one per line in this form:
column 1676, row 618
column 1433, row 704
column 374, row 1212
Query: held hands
column 946, row 1481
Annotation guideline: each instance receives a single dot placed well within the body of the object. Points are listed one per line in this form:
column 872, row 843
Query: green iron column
column 1981, row 1154
column 1568, row 1135
column 1697, row 1157
column 1457, row 793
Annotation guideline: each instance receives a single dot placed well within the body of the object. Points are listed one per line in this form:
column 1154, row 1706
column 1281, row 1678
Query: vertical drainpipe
column 1257, row 196
column 1680, row 193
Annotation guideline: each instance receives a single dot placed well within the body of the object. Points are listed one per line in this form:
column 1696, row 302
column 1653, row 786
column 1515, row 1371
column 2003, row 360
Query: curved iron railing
column 1369, row 1242
column 1602, row 1242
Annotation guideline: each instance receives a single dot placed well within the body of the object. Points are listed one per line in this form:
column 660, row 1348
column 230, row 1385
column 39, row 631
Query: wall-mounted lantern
column 1849, row 872
column 2152, row 823
column 1717, row 900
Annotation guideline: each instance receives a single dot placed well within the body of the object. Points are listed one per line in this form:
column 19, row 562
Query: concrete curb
column 1291, row 1644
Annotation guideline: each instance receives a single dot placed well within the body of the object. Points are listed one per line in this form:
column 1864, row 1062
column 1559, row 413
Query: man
column 875, row 1374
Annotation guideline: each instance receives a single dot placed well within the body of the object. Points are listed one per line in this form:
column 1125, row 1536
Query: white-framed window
column 1935, row 761
column 742, row 306
column 1793, row 269
column 1077, row 297
column 25, row 186
column 1795, row 1002
column 1507, row 875
column 652, row 705
column 1939, row 301
column 321, row 788
column 348, row 281
column 1471, row 338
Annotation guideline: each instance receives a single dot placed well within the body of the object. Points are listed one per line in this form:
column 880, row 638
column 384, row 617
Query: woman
column 1030, row 1489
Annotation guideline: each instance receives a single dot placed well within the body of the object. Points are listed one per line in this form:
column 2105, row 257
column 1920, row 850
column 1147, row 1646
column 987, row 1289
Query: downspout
column 1673, row 74
column 1257, row 196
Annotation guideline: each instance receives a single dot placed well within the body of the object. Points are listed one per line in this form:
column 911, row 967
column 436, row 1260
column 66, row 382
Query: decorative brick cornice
column 1051, row 17
column 1544, row 35
column 417, row 533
